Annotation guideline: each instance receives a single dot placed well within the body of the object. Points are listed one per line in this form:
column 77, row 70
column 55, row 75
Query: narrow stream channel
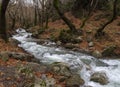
column 77, row 61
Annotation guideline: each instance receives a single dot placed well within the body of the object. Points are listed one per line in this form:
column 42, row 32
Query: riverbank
column 94, row 72
column 20, row 69
column 57, row 67
column 105, row 46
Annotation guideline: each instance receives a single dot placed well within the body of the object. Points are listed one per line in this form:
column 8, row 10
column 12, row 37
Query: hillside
column 112, row 32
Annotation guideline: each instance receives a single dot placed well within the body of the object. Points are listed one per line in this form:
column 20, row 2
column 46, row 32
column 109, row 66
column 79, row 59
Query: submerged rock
column 100, row 63
column 100, row 77
column 86, row 61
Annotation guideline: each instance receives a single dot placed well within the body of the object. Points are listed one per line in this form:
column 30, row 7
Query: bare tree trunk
column 91, row 9
column 3, row 32
column 42, row 18
column 12, row 16
column 66, row 20
column 35, row 12
column 46, row 21
column 100, row 30
column 35, row 21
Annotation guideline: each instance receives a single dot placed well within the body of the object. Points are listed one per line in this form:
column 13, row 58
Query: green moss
column 26, row 70
column 5, row 59
column 66, row 36
column 52, row 37
column 56, row 3
column 41, row 30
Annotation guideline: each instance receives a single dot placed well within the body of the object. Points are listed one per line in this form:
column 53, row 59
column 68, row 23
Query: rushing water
column 77, row 61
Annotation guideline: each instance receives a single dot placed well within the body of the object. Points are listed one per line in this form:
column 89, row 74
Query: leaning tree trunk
column 3, row 31
column 66, row 20
column 91, row 8
column 100, row 30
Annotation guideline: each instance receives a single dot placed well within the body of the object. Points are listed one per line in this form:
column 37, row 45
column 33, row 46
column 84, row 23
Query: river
column 77, row 61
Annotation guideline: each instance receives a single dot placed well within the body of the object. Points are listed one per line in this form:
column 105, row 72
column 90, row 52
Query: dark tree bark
column 91, row 8
column 13, row 23
column 3, row 31
column 13, row 18
column 35, row 21
column 80, row 7
column 66, row 20
column 100, row 30
column 46, row 20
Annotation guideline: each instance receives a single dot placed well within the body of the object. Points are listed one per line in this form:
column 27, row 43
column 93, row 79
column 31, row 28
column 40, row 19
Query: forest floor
column 112, row 31
column 21, row 73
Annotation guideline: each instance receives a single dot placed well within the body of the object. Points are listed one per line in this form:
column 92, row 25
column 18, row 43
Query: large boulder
column 100, row 77
column 97, row 54
column 24, row 57
column 14, row 42
column 69, row 37
column 20, row 56
column 71, row 46
column 77, row 39
column 101, row 63
column 5, row 55
column 64, row 73
column 65, row 37
column 86, row 61
column 38, row 67
column 44, row 81
column 109, row 50
column 61, row 69
column 74, row 81
column 35, row 34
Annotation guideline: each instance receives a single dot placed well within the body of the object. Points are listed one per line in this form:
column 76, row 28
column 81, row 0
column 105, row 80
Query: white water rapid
column 76, row 61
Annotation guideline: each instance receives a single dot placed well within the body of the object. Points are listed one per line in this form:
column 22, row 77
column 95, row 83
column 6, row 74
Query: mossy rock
column 4, row 56
column 65, row 37
column 100, row 77
column 25, row 70
column 59, row 68
column 74, row 81
column 109, row 50
column 97, row 54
